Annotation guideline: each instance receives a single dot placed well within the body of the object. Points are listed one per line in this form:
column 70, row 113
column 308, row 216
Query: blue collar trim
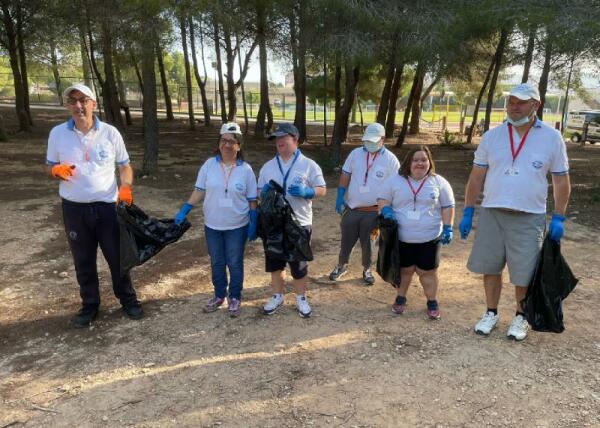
column 238, row 162
column 71, row 123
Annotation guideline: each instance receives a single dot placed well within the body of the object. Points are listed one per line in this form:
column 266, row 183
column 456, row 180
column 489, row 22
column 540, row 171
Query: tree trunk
column 543, row 85
column 55, row 71
column 3, row 135
column 415, row 115
column 428, row 90
column 243, row 93
column 23, row 62
column 340, row 128
column 390, row 122
column 264, row 108
column 201, row 83
column 409, row 103
column 112, row 109
column 566, row 102
column 136, row 68
column 13, row 55
column 85, row 64
column 528, row 55
column 188, row 76
column 229, row 64
column 337, row 85
column 122, row 94
column 219, row 69
column 92, row 59
column 149, row 113
column 479, row 98
column 298, row 44
column 384, row 102
column 163, row 81
column 497, row 66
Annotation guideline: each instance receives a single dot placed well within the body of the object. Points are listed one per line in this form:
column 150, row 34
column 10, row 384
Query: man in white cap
column 513, row 160
column 83, row 153
column 365, row 170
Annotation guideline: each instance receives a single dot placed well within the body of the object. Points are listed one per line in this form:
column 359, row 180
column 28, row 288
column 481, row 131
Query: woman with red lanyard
column 228, row 186
column 422, row 203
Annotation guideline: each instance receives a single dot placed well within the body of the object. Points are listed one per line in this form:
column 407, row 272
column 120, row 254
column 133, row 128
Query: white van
column 576, row 120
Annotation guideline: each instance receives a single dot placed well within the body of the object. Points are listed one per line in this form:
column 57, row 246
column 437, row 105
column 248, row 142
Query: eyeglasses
column 73, row 101
column 229, row 142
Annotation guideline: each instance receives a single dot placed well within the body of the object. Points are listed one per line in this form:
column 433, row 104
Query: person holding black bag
column 422, row 203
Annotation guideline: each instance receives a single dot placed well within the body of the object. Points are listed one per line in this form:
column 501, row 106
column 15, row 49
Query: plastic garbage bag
column 388, row 256
column 283, row 237
column 551, row 284
column 142, row 237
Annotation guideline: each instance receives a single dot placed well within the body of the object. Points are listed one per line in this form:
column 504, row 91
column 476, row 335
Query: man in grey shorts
column 364, row 172
column 514, row 159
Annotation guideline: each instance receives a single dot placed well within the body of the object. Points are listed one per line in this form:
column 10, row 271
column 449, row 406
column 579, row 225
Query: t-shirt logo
column 537, row 164
column 298, row 179
column 239, row 187
column 102, row 154
column 379, row 174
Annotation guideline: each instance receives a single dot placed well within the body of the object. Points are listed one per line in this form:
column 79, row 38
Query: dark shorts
column 298, row 269
column 425, row 255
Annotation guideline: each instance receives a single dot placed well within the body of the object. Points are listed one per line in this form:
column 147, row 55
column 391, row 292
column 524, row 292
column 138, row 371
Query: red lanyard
column 226, row 177
column 369, row 167
column 512, row 142
column 86, row 148
column 415, row 193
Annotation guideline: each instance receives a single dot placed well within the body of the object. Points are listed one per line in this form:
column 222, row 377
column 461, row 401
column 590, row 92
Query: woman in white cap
column 422, row 203
column 228, row 186
column 365, row 170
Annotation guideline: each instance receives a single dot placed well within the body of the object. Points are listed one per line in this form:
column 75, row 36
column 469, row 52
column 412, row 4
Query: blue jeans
column 226, row 249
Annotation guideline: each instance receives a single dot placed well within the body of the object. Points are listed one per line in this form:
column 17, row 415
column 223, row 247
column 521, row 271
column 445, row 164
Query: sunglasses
column 73, row 101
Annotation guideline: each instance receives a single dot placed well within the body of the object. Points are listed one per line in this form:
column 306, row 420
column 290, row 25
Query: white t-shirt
column 382, row 164
column 226, row 210
column 524, row 185
column 94, row 156
column 304, row 171
column 421, row 221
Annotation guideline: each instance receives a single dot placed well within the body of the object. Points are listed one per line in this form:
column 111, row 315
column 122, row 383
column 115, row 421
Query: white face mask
column 523, row 121
column 371, row 146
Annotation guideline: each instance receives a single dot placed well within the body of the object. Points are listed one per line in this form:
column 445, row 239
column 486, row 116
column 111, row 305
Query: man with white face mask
column 514, row 159
column 363, row 173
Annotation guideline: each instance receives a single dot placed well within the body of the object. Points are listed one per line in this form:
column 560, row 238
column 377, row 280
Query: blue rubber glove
column 180, row 216
column 446, row 234
column 387, row 213
column 264, row 190
column 253, row 215
column 301, row 191
column 466, row 223
column 556, row 228
column 339, row 200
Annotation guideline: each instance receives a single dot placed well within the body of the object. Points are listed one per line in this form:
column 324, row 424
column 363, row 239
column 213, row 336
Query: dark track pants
column 88, row 225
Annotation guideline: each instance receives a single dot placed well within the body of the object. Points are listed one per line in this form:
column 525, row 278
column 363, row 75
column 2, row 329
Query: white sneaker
column 303, row 307
column 487, row 323
column 273, row 304
column 518, row 328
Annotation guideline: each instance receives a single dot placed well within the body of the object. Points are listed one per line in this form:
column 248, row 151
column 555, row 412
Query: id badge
column 413, row 215
column 363, row 189
column 512, row 171
column 225, row 203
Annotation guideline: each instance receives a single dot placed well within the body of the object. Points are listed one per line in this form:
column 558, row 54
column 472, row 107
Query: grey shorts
column 511, row 238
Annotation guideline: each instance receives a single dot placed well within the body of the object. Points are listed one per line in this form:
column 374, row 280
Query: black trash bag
column 388, row 256
column 551, row 283
column 283, row 237
column 142, row 237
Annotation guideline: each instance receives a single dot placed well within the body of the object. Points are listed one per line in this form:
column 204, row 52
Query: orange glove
column 125, row 194
column 63, row 171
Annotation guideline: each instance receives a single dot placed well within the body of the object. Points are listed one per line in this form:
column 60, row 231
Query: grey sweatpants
column 357, row 224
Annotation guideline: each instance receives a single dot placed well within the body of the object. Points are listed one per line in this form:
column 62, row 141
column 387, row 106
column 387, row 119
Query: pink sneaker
column 213, row 304
column 433, row 314
column 399, row 305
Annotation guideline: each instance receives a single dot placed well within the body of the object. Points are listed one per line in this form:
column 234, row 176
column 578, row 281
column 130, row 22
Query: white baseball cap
column 230, row 128
column 81, row 88
column 374, row 132
column 525, row 91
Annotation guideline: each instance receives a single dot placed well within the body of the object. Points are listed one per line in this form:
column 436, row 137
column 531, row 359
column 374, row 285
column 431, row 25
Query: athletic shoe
column 84, row 317
column 273, row 304
column 134, row 312
column 338, row 272
column 518, row 328
column 303, row 307
column 234, row 307
column 213, row 304
column 368, row 277
column 399, row 306
column 487, row 323
column 433, row 314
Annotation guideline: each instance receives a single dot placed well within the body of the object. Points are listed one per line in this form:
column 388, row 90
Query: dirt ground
column 352, row 364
